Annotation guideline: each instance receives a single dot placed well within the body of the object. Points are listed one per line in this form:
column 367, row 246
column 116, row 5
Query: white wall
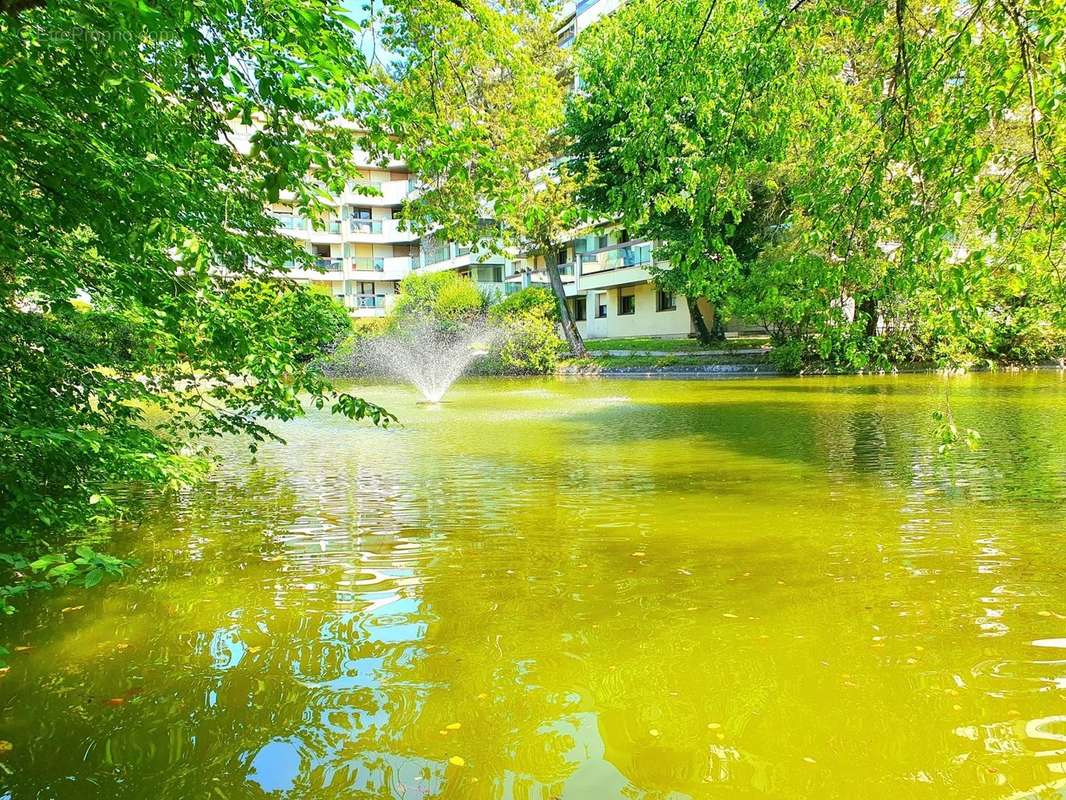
column 645, row 321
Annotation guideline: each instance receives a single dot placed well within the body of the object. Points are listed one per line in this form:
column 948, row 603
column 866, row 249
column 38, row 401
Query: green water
column 586, row 589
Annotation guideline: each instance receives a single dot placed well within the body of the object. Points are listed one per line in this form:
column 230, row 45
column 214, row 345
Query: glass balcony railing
column 368, row 264
column 438, row 254
column 617, row 258
column 366, row 226
column 291, row 222
column 333, row 264
column 370, row 300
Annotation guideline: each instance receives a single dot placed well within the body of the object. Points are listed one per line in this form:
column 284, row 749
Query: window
column 627, row 304
column 360, row 213
column 580, row 304
column 560, row 257
column 666, row 301
column 601, row 305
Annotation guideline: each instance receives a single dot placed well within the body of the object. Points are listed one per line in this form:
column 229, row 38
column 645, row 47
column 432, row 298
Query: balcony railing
column 332, row 264
column 368, row 264
column 370, row 301
column 291, row 222
column 366, row 226
column 615, row 258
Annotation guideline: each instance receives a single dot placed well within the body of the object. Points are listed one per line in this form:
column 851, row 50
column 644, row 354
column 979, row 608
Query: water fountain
column 428, row 357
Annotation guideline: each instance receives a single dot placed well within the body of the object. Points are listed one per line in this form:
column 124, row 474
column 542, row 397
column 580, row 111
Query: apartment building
column 361, row 248
column 364, row 249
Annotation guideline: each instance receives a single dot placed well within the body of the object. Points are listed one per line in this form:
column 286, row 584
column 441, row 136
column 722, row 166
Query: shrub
column 527, row 344
column 531, row 299
column 443, row 297
column 788, row 357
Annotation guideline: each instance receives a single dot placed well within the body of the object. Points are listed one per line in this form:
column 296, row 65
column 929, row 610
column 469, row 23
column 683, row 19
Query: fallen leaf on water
column 640, row 553
column 809, row 760
column 122, row 645
column 71, row 608
column 730, row 616
column 457, row 761
column 22, row 648
column 713, row 726
column 6, row 746
column 115, row 701
column 482, row 696
column 653, row 732
column 454, row 726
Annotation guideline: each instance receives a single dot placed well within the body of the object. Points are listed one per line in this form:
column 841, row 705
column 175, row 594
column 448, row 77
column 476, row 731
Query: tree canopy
column 839, row 173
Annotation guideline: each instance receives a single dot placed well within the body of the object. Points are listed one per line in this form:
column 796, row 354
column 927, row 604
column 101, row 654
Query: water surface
column 580, row 589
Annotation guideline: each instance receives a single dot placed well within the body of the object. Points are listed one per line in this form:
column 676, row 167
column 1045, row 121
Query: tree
column 479, row 124
column 540, row 223
column 684, row 108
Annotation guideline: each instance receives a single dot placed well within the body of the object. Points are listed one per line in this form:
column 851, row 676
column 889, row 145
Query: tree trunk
column 703, row 333
column 573, row 338
column 868, row 307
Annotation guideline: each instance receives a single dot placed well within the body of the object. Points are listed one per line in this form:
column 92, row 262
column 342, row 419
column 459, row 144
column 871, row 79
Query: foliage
column 138, row 311
column 878, row 180
column 788, row 357
column 529, row 343
column 445, row 298
column 532, row 299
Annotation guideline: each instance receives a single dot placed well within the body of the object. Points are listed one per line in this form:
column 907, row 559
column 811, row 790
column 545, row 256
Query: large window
column 627, row 304
column 666, row 301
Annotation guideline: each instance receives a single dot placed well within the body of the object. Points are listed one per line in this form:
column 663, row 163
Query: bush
column 443, row 297
column 531, row 299
column 531, row 344
column 788, row 357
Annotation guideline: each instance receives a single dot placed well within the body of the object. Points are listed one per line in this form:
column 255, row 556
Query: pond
column 580, row 589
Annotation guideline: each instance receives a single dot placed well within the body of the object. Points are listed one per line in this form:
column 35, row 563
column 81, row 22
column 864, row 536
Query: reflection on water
column 587, row 589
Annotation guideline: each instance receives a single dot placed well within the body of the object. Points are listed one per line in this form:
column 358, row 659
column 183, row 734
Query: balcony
column 617, row 257
column 618, row 265
column 368, row 264
column 380, row 231
column 370, row 301
column 330, row 264
column 367, row 225
column 383, row 193
column 290, row 222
